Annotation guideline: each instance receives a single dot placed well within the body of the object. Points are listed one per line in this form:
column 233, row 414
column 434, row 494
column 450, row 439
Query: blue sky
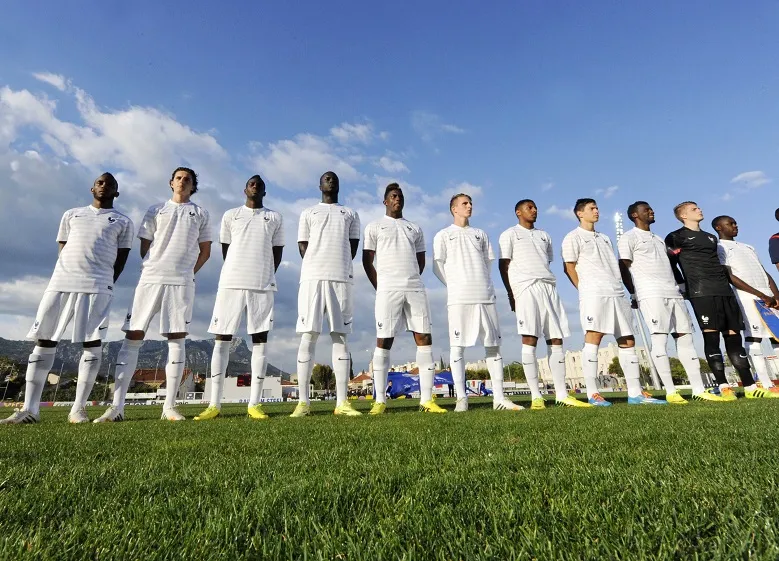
column 552, row 100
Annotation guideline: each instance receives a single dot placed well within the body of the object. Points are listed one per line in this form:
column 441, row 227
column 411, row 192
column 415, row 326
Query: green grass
column 623, row 483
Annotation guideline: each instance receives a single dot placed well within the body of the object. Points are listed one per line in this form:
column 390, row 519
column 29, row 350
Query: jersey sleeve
column 420, row 243
column 625, row 247
column 504, row 245
column 489, row 254
column 354, row 227
column 225, row 235
column 304, row 228
column 148, row 225
column 773, row 248
column 570, row 250
column 549, row 250
column 369, row 238
column 64, row 229
column 278, row 235
column 439, row 248
column 126, row 237
column 722, row 254
column 205, row 227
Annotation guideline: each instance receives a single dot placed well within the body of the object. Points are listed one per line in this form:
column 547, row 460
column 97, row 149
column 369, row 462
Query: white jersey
column 650, row 268
column 93, row 236
column 175, row 230
column 396, row 242
column 252, row 233
column 530, row 252
column 745, row 264
column 328, row 228
column 463, row 257
column 596, row 264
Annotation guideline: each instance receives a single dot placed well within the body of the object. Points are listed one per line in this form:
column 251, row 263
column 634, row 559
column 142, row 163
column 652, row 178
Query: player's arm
column 225, row 247
column 354, row 234
column 205, row 253
column 570, row 272
column 60, row 246
column 503, row 267
column 368, row 256
column 773, row 250
column 772, row 286
column 145, row 245
column 439, row 257
column 421, row 261
column 627, row 278
column 738, row 283
column 121, row 260
column 673, row 256
column 354, row 245
column 302, row 247
column 278, row 250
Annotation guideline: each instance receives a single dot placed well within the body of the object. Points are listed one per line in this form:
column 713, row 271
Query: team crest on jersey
column 705, row 319
column 478, row 238
column 127, row 318
column 456, row 333
column 215, row 321
column 754, row 327
column 712, row 239
column 111, row 219
column 654, row 321
column 36, row 325
column 380, row 324
column 192, row 213
column 589, row 319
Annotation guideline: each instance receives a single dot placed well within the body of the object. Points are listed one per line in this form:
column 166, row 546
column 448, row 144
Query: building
column 237, row 389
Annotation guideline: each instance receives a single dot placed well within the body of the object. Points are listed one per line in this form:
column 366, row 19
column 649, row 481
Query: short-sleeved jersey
column 650, row 267
column 396, row 242
column 465, row 256
column 596, row 264
column 328, row 228
column 745, row 264
column 773, row 248
column 92, row 237
column 252, row 233
column 696, row 252
column 530, row 252
column 175, row 230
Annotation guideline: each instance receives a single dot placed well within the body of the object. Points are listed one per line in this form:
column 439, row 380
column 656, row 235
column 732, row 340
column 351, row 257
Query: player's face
column 693, row 212
column 645, row 214
column 462, row 207
column 105, row 188
column 395, row 201
column 589, row 213
column 181, row 183
column 254, row 189
column 528, row 212
column 329, row 183
column 729, row 227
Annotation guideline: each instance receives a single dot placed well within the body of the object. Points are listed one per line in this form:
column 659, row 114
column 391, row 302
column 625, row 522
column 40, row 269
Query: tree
column 704, row 367
column 644, row 376
column 615, row 368
column 322, row 377
column 678, row 374
column 514, row 372
column 477, row 374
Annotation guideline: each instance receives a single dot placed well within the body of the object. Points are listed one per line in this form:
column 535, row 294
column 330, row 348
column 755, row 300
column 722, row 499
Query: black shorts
column 719, row 313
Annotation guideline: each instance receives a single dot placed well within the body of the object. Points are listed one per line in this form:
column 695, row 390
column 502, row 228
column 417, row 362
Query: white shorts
column 319, row 297
column 89, row 313
column 753, row 323
column 540, row 312
column 401, row 311
column 666, row 315
column 471, row 323
column 172, row 301
column 606, row 314
column 229, row 308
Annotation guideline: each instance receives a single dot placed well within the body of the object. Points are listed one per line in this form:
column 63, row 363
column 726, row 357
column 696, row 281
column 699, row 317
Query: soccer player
column 525, row 255
column 752, row 282
column 773, row 244
column 462, row 256
column 94, row 242
column 647, row 274
column 328, row 237
column 707, row 286
column 252, row 239
column 175, row 243
column 398, row 247
column 592, row 268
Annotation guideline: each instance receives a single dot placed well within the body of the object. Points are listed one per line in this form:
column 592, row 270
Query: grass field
column 624, row 483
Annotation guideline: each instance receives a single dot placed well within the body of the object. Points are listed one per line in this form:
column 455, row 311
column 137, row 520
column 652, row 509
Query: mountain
column 152, row 355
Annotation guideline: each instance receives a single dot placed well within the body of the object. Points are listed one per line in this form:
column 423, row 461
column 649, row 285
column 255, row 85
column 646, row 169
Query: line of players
column 175, row 239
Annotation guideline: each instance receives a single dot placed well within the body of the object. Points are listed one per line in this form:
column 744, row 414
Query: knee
column 338, row 338
column 493, row 353
column 626, row 342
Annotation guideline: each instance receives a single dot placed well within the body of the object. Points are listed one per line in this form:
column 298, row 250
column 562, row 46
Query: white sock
column 306, row 352
column 590, row 368
column 556, row 360
column 88, row 367
column 219, row 361
column 126, row 361
column 661, row 361
column 495, row 367
column 689, row 359
column 628, row 360
column 340, row 367
column 426, row 372
column 259, row 367
column 381, row 360
column 457, row 366
column 174, row 369
column 755, row 349
column 39, row 364
column 530, row 365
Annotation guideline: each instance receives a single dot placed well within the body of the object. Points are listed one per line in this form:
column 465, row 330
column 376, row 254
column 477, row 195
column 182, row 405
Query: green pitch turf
column 694, row 482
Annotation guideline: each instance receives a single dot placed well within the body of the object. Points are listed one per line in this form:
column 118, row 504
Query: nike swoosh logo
column 341, row 358
column 121, row 364
column 589, row 360
column 187, row 322
column 458, row 360
column 303, row 361
column 90, row 360
column 179, row 362
column 347, row 323
column 102, row 328
column 33, row 361
column 690, row 238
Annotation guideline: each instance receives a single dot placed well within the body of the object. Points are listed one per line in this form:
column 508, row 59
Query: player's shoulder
column 507, row 233
column 231, row 213
column 71, row 212
column 272, row 215
column 443, row 233
column 573, row 236
column 120, row 216
column 346, row 210
column 194, row 207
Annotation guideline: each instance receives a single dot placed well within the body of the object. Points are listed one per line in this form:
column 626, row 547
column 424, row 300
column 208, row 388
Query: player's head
column 640, row 210
column 329, row 183
column 688, row 210
column 586, row 210
column 255, row 188
column 461, row 205
column 526, row 210
column 776, row 214
column 393, row 198
column 105, row 187
column 725, row 226
column 183, row 181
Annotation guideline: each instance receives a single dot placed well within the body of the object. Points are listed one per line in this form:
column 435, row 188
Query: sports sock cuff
column 132, row 344
column 528, row 350
column 42, row 351
column 381, row 352
column 258, row 348
column 222, row 344
column 627, row 351
column 590, row 348
column 425, row 349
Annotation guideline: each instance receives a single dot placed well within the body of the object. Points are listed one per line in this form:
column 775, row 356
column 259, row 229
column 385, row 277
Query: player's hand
column 633, row 302
column 511, row 302
column 769, row 301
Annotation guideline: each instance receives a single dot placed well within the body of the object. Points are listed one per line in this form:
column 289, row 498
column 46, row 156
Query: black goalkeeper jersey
column 696, row 253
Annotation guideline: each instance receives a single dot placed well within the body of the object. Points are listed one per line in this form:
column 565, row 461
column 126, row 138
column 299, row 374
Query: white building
column 237, row 389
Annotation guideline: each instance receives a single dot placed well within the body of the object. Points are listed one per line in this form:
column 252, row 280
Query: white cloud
column 548, row 186
column 566, row 213
column 608, row 191
column 392, row 166
column 348, row 132
column 56, row 80
column 751, row 179
column 429, row 125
